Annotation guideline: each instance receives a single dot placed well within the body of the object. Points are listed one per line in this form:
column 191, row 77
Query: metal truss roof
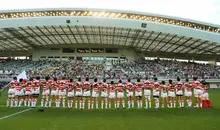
column 28, row 38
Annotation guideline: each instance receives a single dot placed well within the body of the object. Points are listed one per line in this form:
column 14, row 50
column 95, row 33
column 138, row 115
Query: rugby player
column 138, row 92
column 130, row 93
column 120, row 94
column 11, row 92
column 188, row 93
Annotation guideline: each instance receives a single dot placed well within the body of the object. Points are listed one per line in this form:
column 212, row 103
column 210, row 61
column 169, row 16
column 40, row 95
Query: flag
column 22, row 75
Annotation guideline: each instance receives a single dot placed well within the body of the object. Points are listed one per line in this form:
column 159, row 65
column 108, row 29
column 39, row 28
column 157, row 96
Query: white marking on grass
column 1, row 118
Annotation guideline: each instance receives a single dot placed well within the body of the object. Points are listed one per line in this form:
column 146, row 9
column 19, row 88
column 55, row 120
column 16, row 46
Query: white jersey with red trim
column 19, row 91
column 119, row 87
column 179, row 88
column 12, row 86
column 19, row 87
column 78, row 87
column 36, row 86
column 86, row 86
column 71, row 86
column 13, row 83
column 95, row 87
column 138, row 86
column 195, row 85
column 129, row 87
column 104, row 87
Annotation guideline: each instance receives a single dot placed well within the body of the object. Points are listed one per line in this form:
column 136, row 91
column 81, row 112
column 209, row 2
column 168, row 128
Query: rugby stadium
column 113, row 45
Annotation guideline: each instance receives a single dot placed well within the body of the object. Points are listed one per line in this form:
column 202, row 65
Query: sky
column 200, row 10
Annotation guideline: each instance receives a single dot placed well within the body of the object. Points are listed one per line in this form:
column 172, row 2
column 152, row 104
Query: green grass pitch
column 111, row 119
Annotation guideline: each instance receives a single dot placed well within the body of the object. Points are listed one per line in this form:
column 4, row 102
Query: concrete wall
column 129, row 53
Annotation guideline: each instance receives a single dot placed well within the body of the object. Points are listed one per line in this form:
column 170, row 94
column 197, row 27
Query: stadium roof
column 24, row 30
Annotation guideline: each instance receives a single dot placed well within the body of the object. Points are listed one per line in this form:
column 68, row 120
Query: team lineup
column 25, row 93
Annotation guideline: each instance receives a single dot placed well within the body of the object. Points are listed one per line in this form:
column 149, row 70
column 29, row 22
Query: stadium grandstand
column 114, row 44
column 107, row 69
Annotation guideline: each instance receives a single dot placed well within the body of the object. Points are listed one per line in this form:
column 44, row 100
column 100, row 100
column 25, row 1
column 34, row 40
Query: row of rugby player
column 27, row 92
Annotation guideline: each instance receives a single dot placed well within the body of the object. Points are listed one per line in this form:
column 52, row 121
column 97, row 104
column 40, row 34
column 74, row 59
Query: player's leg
column 106, row 102
column 123, row 100
column 64, row 100
column 163, row 100
column 179, row 101
column 47, row 100
column 21, row 99
column 102, row 103
column 209, row 104
column 97, row 102
column 146, row 101
column 129, row 101
column 167, row 102
column 132, row 100
column 182, row 100
column 115, row 102
column 68, row 101
column 42, row 100
column 8, row 100
column 25, row 100
column 50, row 100
column 12, row 100
column 118, row 102
column 92, row 105
column 156, row 100
column 174, row 101
column 140, row 100
column 76, row 101
column 16, row 100
column 71, row 101
column 89, row 102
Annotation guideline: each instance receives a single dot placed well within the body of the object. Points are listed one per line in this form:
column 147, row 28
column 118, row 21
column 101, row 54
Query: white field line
column 1, row 118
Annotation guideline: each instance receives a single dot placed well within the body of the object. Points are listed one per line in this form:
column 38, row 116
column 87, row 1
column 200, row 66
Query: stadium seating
column 108, row 69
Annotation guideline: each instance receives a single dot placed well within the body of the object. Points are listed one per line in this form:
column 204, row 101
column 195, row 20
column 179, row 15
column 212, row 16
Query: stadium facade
column 99, row 33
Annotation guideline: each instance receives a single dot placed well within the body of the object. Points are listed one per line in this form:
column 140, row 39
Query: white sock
column 182, row 103
column 50, row 103
column 25, row 102
column 12, row 102
column 109, row 105
column 16, row 102
column 64, row 103
column 97, row 106
column 71, row 103
column 146, row 103
column 102, row 105
column 83, row 105
column 88, row 105
column 129, row 104
column 132, row 103
column 174, row 104
column 76, row 103
column 8, row 102
column 80, row 105
column 42, row 102
column 115, row 105
column 46, row 103
column 106, row 105
column 118, row 104
column 158, row 104
column 20, row 102
column 92, row 105
column 123, row 104
column 141, row 104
